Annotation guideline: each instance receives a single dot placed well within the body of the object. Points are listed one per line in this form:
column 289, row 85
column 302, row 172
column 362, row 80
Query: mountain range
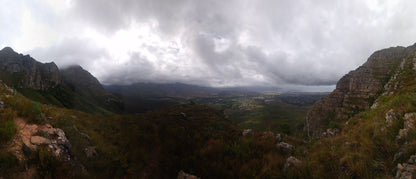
column 72, row 87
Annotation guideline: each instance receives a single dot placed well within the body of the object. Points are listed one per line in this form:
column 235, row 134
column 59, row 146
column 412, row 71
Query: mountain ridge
column 46, row 83
column 357, row 90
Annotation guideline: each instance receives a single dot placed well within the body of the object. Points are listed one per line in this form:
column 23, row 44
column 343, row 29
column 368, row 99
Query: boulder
column 330, row 132
column 247, row 132
column 278, row 137
column 390, row 117
column 407, row 170
column 409, row 121
column 292, row 163
column 38, row 140
column 285, row 147
column 183, row 175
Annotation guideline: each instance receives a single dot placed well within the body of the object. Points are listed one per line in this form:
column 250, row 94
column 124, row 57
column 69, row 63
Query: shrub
column 7, row 131
column 285, row 128
column 8, row 160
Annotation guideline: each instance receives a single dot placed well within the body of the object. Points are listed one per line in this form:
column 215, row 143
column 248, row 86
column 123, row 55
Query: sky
column 218, row 43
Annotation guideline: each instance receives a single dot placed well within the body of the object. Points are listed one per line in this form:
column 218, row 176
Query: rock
column 407, row 170
column 90, row 152
column 285, row 147
column 330, row 133
column 183, row 175
column 247, row 132
column 38, row 140
column 27, row 140
column 409, row 121
column 402, row 134
column 183, row 114
column 390, row 117
column 408, row 124
column 36, row 75
column 356, row 90
column 292, row 163
column 278, row 137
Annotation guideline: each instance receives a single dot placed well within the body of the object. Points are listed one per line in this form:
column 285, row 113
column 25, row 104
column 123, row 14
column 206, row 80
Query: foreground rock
column 407, row 170
column 30, row 136
column 183, row 175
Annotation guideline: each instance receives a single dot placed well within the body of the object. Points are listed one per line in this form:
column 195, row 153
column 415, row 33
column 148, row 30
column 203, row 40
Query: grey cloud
column 288, row 42
column 71, row 51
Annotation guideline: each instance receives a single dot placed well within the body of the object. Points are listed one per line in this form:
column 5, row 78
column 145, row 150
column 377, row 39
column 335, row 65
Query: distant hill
column 46, row 83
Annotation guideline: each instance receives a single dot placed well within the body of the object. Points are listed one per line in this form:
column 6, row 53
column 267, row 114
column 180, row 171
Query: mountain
column 22, row 71
column 369, row 120
column 90, row 93
column 356, row 91
column 46, row 83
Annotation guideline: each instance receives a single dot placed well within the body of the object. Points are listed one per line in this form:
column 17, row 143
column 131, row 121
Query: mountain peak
column 8, row 50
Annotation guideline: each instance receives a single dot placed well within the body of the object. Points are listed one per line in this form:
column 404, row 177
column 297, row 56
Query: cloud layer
column 213, row 42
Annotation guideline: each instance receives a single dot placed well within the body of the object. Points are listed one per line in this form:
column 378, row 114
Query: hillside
column 356, row 91
column 364, row 129
column 45, row 83
column 379, row 141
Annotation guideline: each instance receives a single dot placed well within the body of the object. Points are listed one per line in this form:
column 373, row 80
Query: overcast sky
column 209, row 42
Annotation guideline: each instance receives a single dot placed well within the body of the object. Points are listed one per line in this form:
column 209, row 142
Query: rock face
column 27, row 72
column 408, row 124
column 357, row 90
column 73, row 87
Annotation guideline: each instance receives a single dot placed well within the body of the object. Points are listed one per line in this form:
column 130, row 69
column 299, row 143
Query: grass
column 272, row 116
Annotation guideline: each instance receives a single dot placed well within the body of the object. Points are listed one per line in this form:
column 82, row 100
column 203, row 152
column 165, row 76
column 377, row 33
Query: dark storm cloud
column 305, row 28
column 213, row 42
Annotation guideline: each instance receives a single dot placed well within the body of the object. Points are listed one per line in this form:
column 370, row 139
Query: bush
column 8, row 160
column 7, row 131
column 285, row 128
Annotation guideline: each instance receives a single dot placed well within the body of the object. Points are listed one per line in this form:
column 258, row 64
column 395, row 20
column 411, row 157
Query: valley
column 365, row 128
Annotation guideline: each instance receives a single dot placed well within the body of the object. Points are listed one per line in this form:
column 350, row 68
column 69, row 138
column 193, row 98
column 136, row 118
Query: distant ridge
column 46, row 83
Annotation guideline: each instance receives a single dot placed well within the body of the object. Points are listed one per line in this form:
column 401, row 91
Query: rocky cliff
column 357, row 90
column 73, row 87
column 22, row 71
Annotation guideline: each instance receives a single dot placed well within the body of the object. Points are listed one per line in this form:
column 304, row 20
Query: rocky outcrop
column 330, row 132
column 408, row 124
column 357, row 90
column 73, row 87
column 408, row 169
column 30, row 136
column 25, row 72
column 390, row 117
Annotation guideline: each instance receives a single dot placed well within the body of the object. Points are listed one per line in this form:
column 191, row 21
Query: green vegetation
column 7, row 131
column 274, row 116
